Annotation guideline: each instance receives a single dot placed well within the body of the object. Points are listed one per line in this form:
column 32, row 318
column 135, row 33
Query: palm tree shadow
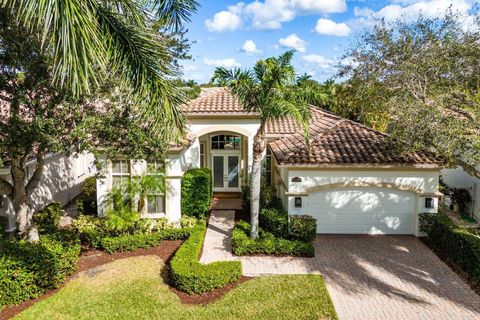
column 360, row 264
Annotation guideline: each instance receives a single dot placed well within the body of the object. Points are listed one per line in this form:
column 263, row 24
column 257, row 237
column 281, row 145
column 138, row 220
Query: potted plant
column 460, row 198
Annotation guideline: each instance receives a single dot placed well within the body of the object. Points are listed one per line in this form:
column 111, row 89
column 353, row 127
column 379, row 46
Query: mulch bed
column 94, row 258
column 474, row 285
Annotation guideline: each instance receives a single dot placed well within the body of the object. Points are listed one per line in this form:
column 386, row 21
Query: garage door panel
column 363, row 210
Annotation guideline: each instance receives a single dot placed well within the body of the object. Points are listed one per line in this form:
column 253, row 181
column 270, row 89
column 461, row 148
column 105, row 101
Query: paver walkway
column 368, row 277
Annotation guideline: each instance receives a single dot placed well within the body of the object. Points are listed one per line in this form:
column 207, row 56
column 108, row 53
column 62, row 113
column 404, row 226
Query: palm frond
column 91, row 39
column 174, row 13
column 69, row 29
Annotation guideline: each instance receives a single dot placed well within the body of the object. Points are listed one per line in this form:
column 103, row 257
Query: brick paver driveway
column 368, row 277
column 391, row 277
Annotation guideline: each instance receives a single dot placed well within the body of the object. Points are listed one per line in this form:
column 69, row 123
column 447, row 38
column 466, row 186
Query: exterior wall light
column 298, row 202
column 429, row 203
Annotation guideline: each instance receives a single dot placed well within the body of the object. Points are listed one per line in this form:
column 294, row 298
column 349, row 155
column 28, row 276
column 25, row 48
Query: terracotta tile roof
column 214, row 101
column 338, row 141
column 334, row 140
column 288, row 125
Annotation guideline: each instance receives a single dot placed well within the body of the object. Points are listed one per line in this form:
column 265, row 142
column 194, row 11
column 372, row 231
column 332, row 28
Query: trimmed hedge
column 136, row 241
column 196, row 192
column 29, row 269
column 459, row 244
column 303, row 228
column 267, row 243
column 275, row 221
column 191, row 276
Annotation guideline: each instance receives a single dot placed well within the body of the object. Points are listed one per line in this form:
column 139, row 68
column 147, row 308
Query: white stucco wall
column 459, row 178
column 248, row 127
column 61, row 181
column 176, row 165
column 424, row 182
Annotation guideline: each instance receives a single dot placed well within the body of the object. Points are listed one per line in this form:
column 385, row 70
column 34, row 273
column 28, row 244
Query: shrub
column 122, row 221
column 303, row 228
column 87, row 200
column 196, row 192
column 460, row 245
column 16, row 283
column 48, row 218
column 136, row 241
column 267, row 243
column 461, row 197
column 143, row 226
column 274, row 221
column 90, row 229
column 31, row 268
column 191, row 276
column 188, row 222
column 3, row 224
column 268, row 197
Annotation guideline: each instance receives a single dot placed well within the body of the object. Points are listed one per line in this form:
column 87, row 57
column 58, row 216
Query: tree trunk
column 259, row 145
column 20, row 195
column 141, row 205
column 23, row 214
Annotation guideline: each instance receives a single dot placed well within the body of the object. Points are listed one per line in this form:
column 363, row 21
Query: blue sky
column 238, row 33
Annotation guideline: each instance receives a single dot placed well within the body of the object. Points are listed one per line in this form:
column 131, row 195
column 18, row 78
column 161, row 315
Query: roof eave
column 425, row 166
column 208, row 115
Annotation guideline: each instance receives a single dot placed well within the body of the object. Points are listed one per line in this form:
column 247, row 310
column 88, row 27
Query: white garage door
column 363, row 211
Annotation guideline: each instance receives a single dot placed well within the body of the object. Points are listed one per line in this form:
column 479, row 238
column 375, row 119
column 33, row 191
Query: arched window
column 226, row 142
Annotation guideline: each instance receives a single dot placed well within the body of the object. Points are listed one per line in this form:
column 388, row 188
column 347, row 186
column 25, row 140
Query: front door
column 226, row 172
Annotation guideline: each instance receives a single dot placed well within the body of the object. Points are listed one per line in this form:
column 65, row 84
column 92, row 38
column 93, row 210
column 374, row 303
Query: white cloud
column 319, row 6
column 320, row 67
column 411, row 9
column 189, row 67
column 250, row 48
column 270, row 14
column 319, row 61
column 331, row 28
column 294, row 42
column 224, row 21
column 227, row 63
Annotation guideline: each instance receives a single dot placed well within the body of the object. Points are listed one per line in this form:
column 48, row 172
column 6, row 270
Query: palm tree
column 94, row 39
column 269, row 90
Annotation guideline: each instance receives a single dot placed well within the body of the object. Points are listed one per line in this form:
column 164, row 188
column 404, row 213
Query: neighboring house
column 351, row 182
column 459, row 178
column 61, row 182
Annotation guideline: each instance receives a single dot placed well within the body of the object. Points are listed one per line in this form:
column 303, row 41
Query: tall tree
column 39, row 116
column 314, row 92
column 269, row 90
column 423, row 79
column 92, row 40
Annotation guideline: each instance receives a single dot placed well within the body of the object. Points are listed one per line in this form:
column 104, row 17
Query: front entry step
column 221, row 202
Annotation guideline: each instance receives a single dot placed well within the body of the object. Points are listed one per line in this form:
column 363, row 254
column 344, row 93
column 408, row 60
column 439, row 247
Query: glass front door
column 218, row 169
column 226, row 172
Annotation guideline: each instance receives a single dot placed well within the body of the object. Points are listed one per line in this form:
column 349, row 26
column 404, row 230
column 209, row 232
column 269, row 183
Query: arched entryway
column 225, row 153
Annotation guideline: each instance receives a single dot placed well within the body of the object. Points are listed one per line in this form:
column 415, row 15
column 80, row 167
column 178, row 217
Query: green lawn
column 133, row 289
